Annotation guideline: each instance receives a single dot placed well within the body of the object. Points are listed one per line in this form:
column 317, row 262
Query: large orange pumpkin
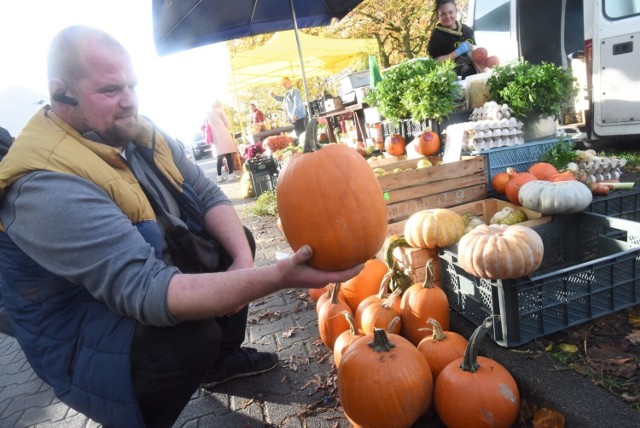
column 384, row 382
column 332, row 200
column 516, row 181
column 427, row 143
column 476, row 391
column 365, row 284
column 395, row 145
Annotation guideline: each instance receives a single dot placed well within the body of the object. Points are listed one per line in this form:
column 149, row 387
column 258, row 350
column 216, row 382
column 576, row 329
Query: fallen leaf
column 547, row 418
column 566, row 347
column 288, row 333
column 634, row 337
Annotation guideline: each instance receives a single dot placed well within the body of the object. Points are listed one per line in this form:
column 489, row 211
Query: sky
column 174, row 90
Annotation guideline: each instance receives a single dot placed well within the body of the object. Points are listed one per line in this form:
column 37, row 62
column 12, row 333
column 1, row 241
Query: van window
column 492, row 15
column 618, row 9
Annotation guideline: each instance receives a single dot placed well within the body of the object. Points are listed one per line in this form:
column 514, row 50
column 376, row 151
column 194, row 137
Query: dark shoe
column 242, row 362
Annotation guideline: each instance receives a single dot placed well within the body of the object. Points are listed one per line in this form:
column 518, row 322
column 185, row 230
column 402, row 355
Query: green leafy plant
column 265, row 205
column 533, row 91
column 560, row 154
column 419, row 89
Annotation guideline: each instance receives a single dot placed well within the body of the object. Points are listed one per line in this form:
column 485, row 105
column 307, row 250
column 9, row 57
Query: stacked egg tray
column 490, row 126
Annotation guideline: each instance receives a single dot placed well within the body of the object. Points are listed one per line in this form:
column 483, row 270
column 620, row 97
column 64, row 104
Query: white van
column 598, row 39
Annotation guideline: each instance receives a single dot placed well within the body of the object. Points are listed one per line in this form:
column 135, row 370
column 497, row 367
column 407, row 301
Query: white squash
column 561, row 197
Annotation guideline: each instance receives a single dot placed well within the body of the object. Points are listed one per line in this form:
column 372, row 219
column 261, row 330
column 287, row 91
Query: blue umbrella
column 185, row 24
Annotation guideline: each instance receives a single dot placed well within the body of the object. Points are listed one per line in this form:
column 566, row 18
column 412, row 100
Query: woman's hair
column 443, row 2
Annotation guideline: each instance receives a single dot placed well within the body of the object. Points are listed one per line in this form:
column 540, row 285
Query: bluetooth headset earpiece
column 65, row 99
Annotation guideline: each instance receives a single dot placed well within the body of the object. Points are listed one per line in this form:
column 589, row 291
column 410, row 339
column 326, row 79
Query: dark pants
column 169, row 363
column 299, row 126
column 229, row 163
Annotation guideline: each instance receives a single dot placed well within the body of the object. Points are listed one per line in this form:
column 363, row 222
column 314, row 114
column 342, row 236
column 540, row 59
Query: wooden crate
column 413, row 261
column 438, row 186
column 486, row 208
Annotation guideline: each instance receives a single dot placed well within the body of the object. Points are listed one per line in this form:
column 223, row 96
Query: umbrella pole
column 304, row 77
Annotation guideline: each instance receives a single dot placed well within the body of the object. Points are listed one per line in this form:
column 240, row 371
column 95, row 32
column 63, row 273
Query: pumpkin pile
column 543, row 189
column 392, row 344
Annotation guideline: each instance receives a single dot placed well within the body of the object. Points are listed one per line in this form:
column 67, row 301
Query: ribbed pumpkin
column 419, row 303
column 395, row 145
column 345, row 338
column 365, row 284
column 332, row 200
column 384, row 382
column 331, row 322
column 500, row 251
column 434, row 228
column 476, row 391
column 516, row 181
column 427, row 143
column 561, row 197
column 441, row 347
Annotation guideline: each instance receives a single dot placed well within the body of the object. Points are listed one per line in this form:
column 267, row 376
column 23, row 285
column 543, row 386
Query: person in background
column 222, row 139
column 86, row 274
column 293, row 106
column 257, row 118
column 451, row 39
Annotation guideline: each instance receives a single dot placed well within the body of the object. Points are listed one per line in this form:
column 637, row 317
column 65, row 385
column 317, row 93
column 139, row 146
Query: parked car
column 198, row 148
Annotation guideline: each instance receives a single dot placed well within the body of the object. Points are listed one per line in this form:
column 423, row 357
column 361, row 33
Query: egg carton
column 488, row 134
column 601, row 169
column 491, row 110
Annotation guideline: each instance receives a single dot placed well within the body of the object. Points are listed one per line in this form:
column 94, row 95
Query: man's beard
column 117, row 135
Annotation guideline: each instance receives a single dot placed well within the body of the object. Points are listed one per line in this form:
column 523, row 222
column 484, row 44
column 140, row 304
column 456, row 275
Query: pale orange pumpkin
column 332, row 200
column 365, row 284
column 434, row 228
column 419, row 303
column 500, row 251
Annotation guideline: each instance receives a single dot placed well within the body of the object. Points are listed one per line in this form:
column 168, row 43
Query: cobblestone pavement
column 300, row 392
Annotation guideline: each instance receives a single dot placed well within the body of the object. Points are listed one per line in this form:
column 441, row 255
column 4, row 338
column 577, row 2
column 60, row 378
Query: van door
column 493, row 23
column 615, row 28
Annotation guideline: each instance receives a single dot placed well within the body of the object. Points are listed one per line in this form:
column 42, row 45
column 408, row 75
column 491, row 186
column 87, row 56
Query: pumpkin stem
column 391, row 298
column 382, row 291
column 470, row 359
column 400, row 279
column 438, row 334
column 393, row 323
column 428, row 278
column 351, row 321
column 334, row 293
column 381, row 342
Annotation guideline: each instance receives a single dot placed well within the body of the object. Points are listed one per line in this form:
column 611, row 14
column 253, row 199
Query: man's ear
column 56, row 86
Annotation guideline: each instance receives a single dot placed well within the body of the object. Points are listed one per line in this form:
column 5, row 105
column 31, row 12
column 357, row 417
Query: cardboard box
column 438, row 186
column 332, row 104
column 354, row 80
column 413, row 261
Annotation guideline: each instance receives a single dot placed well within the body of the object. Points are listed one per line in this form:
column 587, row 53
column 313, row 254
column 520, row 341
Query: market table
column 354, row 113
column 259, row 136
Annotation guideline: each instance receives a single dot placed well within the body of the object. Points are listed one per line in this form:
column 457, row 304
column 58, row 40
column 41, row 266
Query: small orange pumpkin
column 384, row 381
column 421, row 302
column 345, row 338
column 499, row 182
column 516, row 181
column 365, row 284
column 331, row 322
column 395, row 145
column 543, row 170
column 563, row 176
column 441, row 347
column 475, row 391
column 427, row 143
column 315, row 293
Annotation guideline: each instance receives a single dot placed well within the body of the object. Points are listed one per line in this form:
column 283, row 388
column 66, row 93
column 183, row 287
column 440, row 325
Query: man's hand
column 462, row 48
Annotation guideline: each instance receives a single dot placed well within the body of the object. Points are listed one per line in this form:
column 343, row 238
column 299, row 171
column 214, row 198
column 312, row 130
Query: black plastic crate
column 262, row 163
column 619, row 203
column 591, row 268
column 390, row 127
column 262, row 182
